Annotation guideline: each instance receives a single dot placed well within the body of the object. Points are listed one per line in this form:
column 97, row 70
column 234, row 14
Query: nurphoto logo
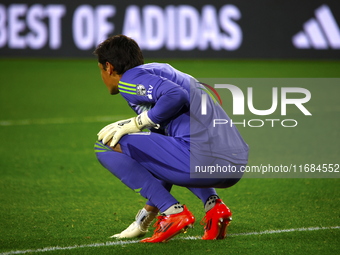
column 279, row 101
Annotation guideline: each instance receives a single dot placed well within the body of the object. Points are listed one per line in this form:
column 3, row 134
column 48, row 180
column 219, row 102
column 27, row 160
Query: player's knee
column 101, row 152
column 99, row 147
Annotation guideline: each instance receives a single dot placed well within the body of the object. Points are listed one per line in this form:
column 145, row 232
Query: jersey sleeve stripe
column 127, row 91
column 126, row 88
column 127, row 84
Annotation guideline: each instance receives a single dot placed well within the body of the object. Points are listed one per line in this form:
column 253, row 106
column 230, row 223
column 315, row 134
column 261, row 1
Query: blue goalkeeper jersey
column 173, row 100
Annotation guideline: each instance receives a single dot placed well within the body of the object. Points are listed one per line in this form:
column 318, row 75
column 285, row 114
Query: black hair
column 120, row 51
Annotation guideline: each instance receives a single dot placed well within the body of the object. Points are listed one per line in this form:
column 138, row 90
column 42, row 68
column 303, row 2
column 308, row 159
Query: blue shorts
column 168, row 159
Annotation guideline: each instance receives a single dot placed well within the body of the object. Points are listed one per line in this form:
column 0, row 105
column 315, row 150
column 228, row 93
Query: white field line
column 61, row 120
column 266, row 232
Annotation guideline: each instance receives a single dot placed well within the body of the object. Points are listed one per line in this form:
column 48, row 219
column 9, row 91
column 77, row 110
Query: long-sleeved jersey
column 173, row 100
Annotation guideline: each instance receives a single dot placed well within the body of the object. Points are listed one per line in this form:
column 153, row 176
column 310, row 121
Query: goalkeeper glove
column 117, row 129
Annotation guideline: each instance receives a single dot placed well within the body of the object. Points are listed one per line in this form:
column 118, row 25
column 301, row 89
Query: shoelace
column 158, row 222
column 204, row 222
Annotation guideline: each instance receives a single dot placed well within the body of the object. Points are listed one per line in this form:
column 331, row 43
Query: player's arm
column 170, row 100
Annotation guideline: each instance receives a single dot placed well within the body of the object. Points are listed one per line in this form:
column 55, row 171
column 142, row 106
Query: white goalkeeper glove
column 117, row 129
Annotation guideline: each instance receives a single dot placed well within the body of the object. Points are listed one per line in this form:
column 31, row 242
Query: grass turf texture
column 53, row 192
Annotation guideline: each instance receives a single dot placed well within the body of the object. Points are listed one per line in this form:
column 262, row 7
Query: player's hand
column 116, row 130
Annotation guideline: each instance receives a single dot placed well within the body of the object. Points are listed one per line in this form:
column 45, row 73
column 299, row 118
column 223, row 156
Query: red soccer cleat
column 217, row 220
column 171, row 225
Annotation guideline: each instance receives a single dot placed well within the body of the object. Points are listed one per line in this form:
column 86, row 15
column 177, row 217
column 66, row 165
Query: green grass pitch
column 54, row 193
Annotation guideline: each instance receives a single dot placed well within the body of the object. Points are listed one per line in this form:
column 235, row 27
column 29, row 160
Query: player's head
column 122, row 52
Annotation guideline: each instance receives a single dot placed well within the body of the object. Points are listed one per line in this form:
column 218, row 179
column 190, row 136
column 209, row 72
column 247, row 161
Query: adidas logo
column 321, row 32
column 164, row 227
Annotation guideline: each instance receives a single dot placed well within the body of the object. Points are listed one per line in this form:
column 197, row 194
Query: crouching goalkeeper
column 181, row 138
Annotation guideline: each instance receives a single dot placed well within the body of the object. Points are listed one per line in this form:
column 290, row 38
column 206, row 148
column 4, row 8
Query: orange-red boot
column 216, row 221
column 170, row 225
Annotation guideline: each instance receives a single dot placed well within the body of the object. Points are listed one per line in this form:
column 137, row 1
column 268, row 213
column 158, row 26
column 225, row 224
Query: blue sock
column 166, row 185
column 135, row 176
column 203, row 193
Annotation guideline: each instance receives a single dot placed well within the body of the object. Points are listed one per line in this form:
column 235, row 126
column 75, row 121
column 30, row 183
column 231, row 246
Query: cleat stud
column 185, row 229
